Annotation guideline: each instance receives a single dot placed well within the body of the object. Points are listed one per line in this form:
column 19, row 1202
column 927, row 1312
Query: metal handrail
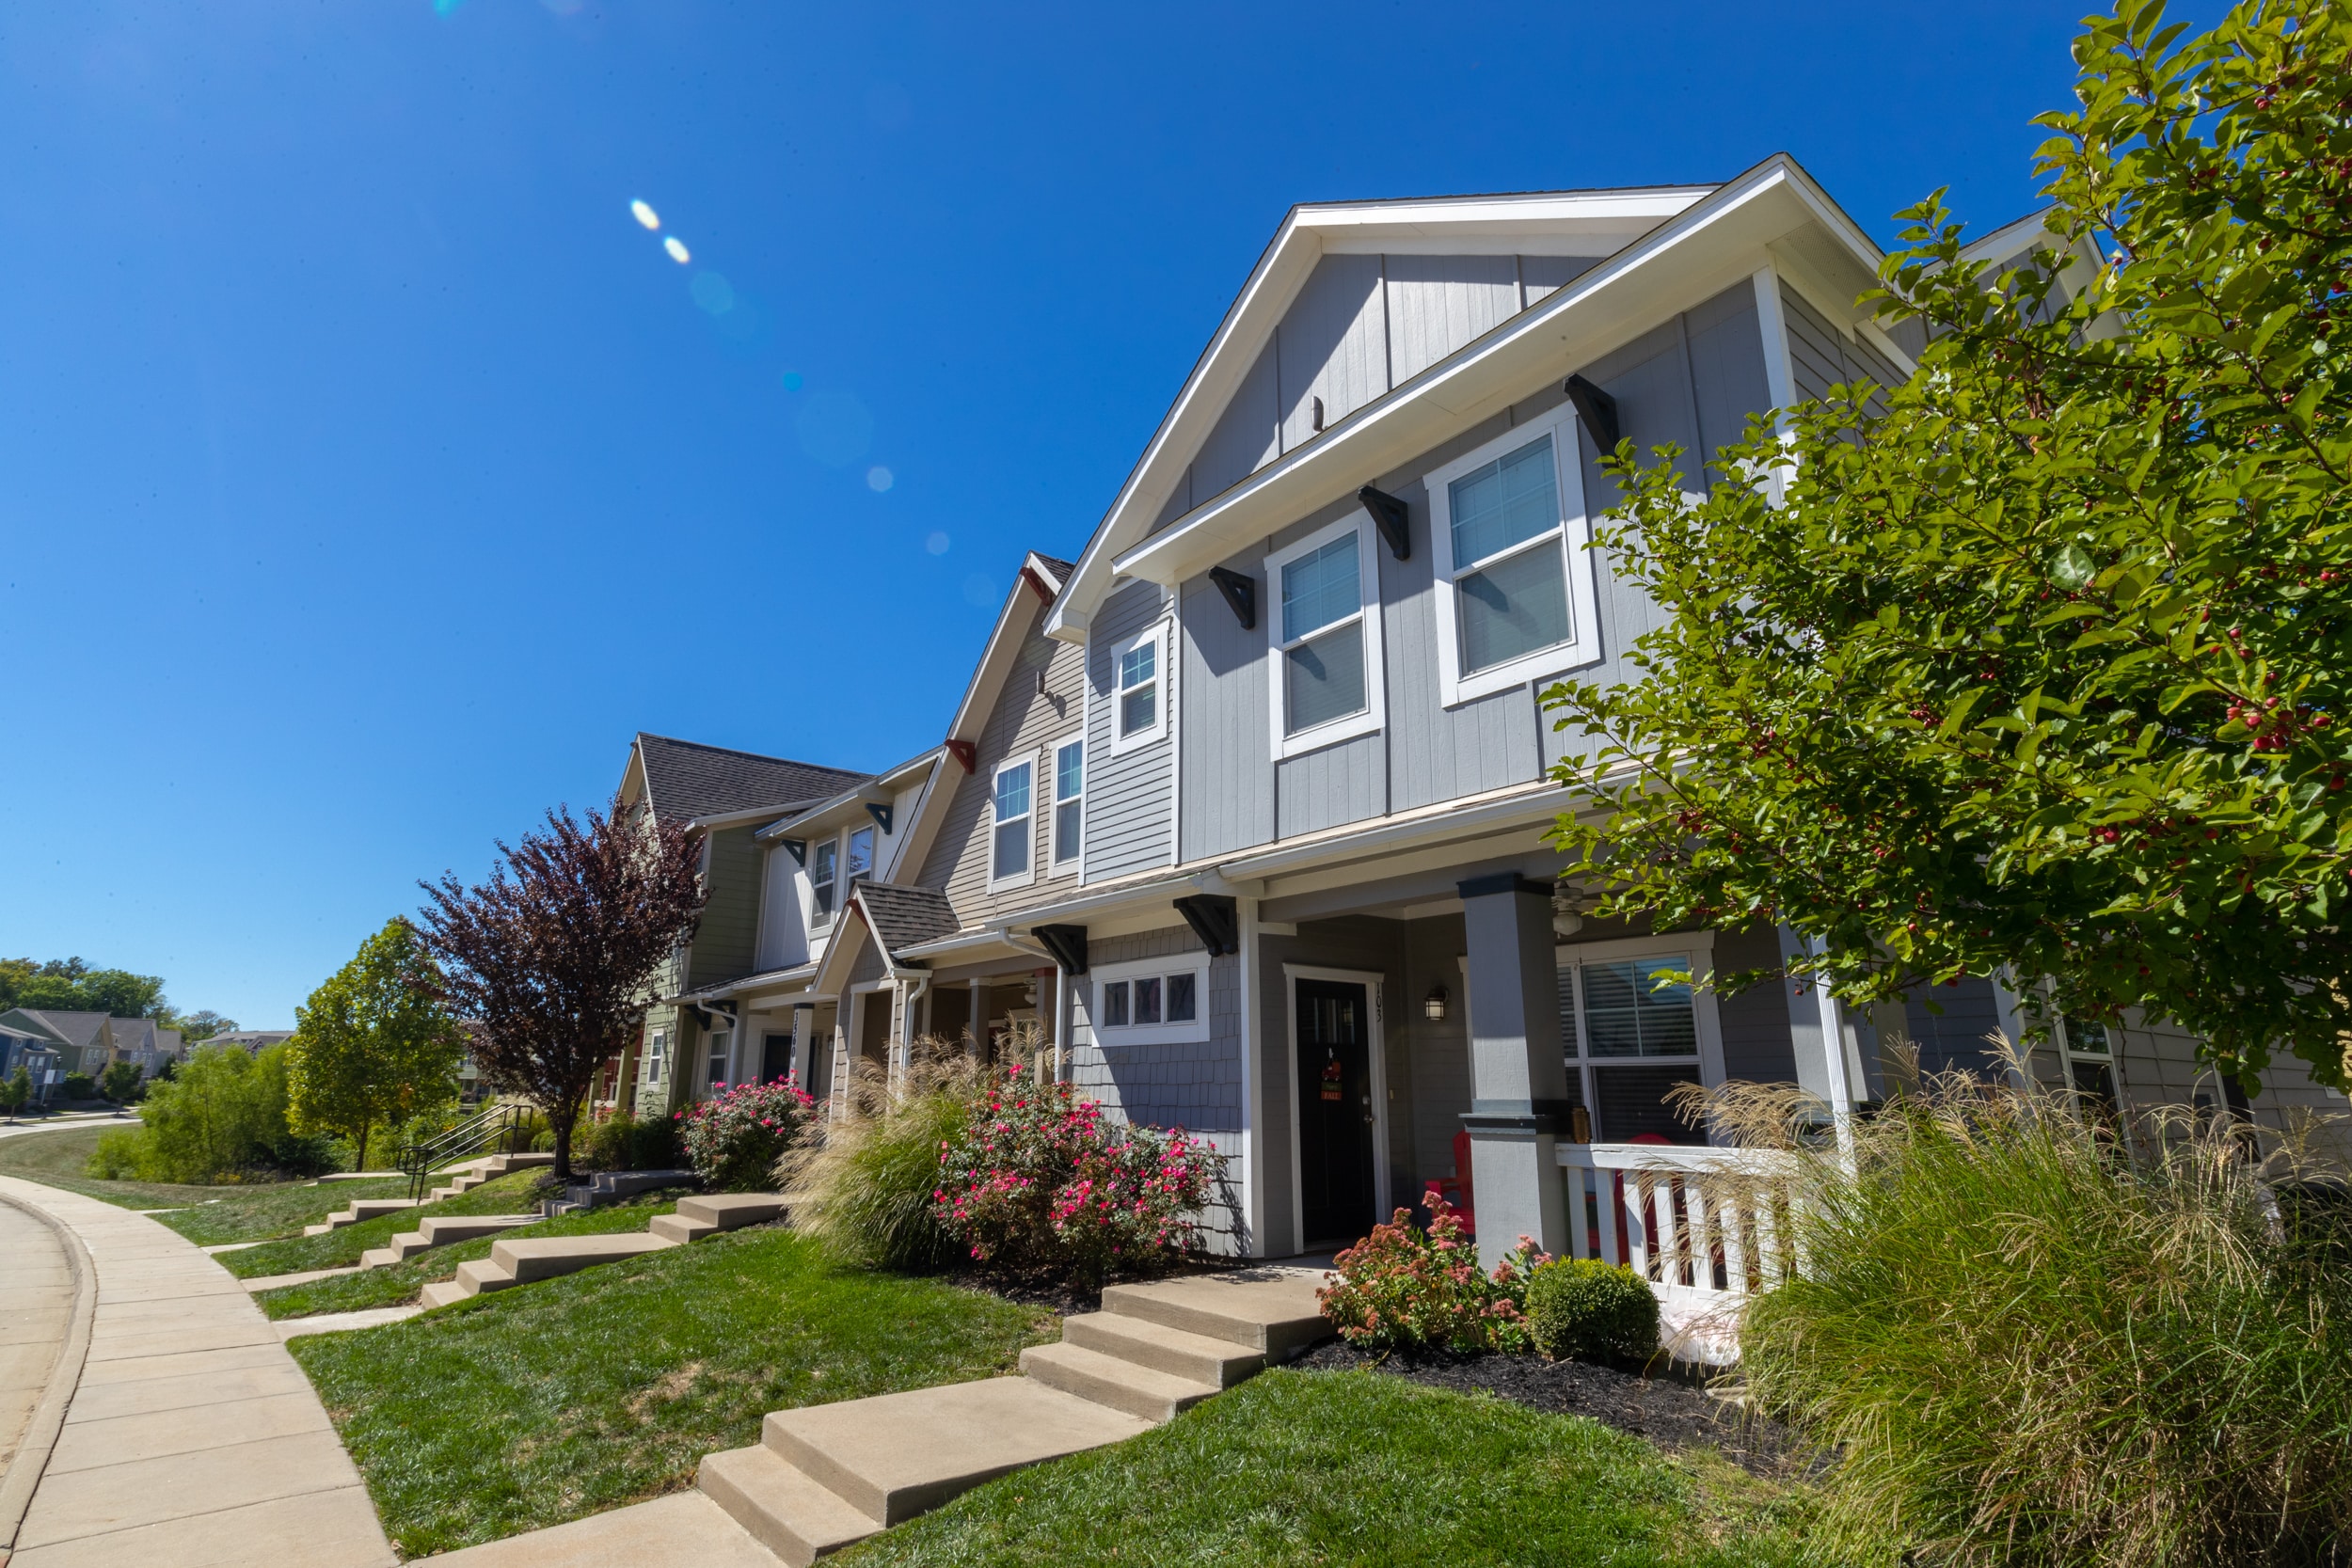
column 480, row 1134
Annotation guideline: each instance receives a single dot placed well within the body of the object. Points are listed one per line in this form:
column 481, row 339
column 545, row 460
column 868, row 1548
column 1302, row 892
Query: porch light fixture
column 1433, row 1006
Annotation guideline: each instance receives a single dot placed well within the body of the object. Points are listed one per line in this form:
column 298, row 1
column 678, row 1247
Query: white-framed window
column 1509, row 536
column 1151, row 1001
column 718, row 1077
column 1326, row 636
column 1629, row 1040
column 823, row 880
column 2087, row 1051
column 1012, row 818
column 861, row 863
column 1069, row 788
column 657, row 1056
column 1139, row 687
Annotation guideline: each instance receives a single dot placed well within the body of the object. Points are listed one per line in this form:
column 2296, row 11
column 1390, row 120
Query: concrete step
column 532, row 1259
column 733, row 1211
column 481, row 1275
column 780, row 1506
column 897, row 1455
column 1110, row 1380
column 1194, row 1357
column 1270, row 1310
column 441, row 1293
column 441, row 1231
column 361, row 1209
column 377, row 1258
column 678, row 1228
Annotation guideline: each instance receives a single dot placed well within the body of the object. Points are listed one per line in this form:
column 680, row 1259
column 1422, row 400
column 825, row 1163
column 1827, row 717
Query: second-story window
column 1070, row 782
column 1139, row 687
column 1327, row 635
column 860, row 854
column 823, row 881
column 1515, row 594
column 1014, row 813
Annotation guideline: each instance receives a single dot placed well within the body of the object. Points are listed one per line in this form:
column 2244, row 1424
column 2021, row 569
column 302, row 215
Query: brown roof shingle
column 686, row 780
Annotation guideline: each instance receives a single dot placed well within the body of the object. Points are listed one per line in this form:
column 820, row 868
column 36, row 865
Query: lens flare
column 713, row 292
column 936, row 544
column 676, row 247
column 644, row 215
column 792, row 382
column 879, row 479
column 978, row 590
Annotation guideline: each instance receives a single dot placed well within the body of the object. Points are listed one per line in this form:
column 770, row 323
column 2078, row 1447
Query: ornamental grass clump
column 2030, row 1334
column 866, row 1183
column 734, row 1140
column 1403, row 1288
column 1042, row 1183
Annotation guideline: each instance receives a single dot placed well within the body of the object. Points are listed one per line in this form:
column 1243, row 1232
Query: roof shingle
column 685, row 780
column 901, row 917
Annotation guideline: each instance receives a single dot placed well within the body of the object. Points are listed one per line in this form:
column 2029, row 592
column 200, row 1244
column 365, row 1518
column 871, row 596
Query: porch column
column 1816, row 1032
column 1518, row 1075
column 804, row 1043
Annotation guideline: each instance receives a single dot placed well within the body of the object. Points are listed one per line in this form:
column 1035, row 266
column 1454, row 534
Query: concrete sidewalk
column 190, row 1439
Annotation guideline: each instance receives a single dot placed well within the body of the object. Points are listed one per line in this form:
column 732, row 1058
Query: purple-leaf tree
column 555, row 955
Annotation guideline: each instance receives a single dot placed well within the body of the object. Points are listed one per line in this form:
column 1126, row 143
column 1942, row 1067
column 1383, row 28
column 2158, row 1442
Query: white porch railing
column 1708, row 1228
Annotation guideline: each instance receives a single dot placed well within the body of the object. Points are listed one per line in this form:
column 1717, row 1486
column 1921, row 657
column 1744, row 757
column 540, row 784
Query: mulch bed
column 1668, row 1412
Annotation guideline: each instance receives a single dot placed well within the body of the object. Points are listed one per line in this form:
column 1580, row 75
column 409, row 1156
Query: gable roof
column 75, row 1029
column 686, row 780
column 901, row 917
column 1039, row 583
column 1684, row 242
column 27, row 1024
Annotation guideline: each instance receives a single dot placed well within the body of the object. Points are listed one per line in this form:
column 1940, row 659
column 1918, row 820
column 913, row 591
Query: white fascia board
column 1566, row 223
column 850, row 803
column 750, row 814
column 1714, row 245
column 2010, row 238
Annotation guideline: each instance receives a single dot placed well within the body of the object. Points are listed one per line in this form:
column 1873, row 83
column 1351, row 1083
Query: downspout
column 921, row 985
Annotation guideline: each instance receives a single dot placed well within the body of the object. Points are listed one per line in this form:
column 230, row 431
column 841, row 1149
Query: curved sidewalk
column 190, row 1438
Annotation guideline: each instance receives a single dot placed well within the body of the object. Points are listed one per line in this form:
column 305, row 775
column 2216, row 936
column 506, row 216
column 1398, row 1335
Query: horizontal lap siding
column 1821, row 356
column 1129, row 796
column 1024, row 722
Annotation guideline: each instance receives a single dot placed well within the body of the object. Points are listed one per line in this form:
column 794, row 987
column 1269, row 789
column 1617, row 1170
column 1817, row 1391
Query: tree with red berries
column 555, row 956
column 2041, row 660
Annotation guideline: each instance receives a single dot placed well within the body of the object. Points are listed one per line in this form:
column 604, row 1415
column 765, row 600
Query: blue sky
column 369, row 475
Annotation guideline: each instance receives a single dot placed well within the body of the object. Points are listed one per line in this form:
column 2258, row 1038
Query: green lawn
column 507, row 1194
column 208, row 1216
column 396, row 1282
column 553, row 1401
column 1356, row 1468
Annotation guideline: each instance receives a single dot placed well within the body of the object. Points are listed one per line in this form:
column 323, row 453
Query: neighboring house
column 29, row 1044
column 84, row 1041
column 723, row 798
column 138, row 1041
column 251, row 1041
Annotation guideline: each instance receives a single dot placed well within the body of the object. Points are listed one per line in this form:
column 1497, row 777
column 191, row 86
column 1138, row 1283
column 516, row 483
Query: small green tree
column 17, row 1092
column 119, row 1082
column 373, row 1046
column 2044, row 660
column 225, row 1113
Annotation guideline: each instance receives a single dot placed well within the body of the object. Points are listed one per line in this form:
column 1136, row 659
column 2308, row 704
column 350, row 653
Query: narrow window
column 1509, row 569
column 1322, row 637
column 1139, row 687
column 1115, row 1004
column 1009, row 857
column 1148, row 1000
column 861, row 853
column 822, row 861
column 655, row 1049
column 1180, row 1002
column 718, row 1061
column 1069, row 777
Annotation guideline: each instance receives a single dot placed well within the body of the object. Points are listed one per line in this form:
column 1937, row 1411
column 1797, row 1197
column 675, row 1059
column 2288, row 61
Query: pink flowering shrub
column 733, row 1140
column 1403, row 1288
column 1042, row 1182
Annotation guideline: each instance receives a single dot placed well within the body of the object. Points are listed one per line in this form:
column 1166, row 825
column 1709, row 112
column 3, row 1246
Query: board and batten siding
column 1692, row 380
column 1360, row 326
column 723, row 941
column 1025, row 720
column 1130, row 796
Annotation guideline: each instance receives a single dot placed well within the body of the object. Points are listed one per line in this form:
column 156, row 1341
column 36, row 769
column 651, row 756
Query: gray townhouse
column 1244, row 809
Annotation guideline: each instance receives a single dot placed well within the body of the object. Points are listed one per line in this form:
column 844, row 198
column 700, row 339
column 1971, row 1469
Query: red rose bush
column 733, row 1140
column 1042, row 1182
column 1403, row 1288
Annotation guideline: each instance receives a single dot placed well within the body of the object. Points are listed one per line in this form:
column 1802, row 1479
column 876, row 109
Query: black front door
column 1335, row 1110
